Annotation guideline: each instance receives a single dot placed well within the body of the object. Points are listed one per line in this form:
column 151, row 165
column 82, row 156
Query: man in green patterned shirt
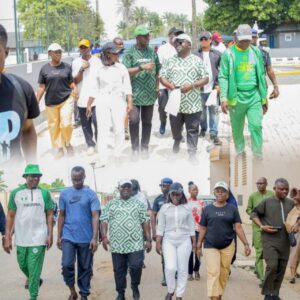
column 128, row 225
column 185, row 71
column 143, row 66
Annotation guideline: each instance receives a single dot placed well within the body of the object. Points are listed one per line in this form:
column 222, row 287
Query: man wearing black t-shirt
column 18, row 106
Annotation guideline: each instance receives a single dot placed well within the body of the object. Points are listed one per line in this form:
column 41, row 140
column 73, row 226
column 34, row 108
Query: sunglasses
column 176, row 194
column 126, row 185
column 203, row 39
column 180, row 42
column 164, row 185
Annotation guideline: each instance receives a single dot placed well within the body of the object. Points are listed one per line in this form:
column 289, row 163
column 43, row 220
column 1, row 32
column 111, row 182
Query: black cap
column 176, row 187
column 205, row 34
column 111, row 47
column 175, row 31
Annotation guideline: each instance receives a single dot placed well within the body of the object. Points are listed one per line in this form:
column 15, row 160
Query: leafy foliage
column 3, row 186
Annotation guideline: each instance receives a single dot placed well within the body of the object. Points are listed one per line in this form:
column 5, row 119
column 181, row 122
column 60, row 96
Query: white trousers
column 176, row 255
column 110, row 112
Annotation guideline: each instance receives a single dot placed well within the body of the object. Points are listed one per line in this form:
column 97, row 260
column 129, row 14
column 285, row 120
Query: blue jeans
column 84, row 265
column 213, row 116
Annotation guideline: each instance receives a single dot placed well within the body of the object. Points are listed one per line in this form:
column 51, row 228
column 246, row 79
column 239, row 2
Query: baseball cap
column 111, row 47
column 32, row 170
column 166, row 181
column 141, row 30
column 244, row 33
column 216, row 36
column 85, row 43
column 254, row 32
column 221, row 184
column 183, row 36
column 205, row 34
column 176, row 187
column 175, row 31
column 124, row 181
column 54, row 47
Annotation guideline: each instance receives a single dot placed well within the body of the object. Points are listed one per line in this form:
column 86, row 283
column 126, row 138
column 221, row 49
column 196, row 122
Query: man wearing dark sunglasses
column 185, row 70
column 211, row 59
column 127, row 222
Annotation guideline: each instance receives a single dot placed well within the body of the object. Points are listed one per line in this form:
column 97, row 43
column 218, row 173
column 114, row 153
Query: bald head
column 261, row 184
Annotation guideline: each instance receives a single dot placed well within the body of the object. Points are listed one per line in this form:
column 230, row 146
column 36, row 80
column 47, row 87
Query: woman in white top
column 112, row 84
column 176, row 228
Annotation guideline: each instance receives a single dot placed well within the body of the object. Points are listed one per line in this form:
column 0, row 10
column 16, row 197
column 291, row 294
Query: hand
column 58, row 244
column 148, row 66
column 199, row 250
column 105, row 243
column 7, row 244
column 88, row 112
column 295, row 228
column 75, row 94
column 85, row 65
column 49, row 242
column 172, row 86
column 224, row 107
column 247, row 249
column 194, row 247
column 158, row 247
column 217, row 88
column 186, row 88
column 148, row 246
column 129, row 108
column 275, row 93
column 268, row 229
column 93, row 245
column 265, row 108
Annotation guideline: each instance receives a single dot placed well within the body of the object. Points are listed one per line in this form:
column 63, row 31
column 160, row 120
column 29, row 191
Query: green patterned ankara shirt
column 182, row 71
column 125, row 219
column 143, row 83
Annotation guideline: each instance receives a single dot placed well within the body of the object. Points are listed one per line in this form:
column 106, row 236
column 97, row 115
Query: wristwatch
column 140, row 68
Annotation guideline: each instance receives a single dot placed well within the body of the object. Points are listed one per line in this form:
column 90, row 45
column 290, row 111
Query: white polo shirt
column 86, row 84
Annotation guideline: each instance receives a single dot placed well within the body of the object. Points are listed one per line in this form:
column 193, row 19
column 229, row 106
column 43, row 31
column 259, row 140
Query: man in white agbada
column 111, row 84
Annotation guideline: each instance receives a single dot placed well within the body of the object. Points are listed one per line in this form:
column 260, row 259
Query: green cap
column 141, row 30
column 32, row 170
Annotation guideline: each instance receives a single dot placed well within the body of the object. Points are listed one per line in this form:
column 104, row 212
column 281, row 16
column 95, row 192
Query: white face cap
column 221, row 184
column 183, row 36
column 244, row 33
column 54, row 47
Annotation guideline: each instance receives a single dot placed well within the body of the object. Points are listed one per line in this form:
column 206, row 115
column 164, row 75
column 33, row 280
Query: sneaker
column 90, row 151
column 135, row 293
column 60, row 153
column 144, row 153
column 176, row 146
column 190, row 277
column 135, row 155
column 127, row 136
column 202, row 134
column 162, row 128
column 120, row 297
column 216, row 140
column 197, row 276
column 169, row 296
column 70, row 150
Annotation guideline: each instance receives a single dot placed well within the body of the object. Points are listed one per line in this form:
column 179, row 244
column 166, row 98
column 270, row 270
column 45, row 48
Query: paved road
column 242, row 285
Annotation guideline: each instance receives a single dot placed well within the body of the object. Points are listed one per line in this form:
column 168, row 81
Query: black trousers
column 192, row 123
column 162, row 102
column 194, row 267
column 276, row 263
column 121, row 262
column 145, row 114
column 87, row 124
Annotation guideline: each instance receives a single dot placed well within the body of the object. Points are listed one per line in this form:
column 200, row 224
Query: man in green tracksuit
column 255, row 199
column 30, row 210
column 243, row 90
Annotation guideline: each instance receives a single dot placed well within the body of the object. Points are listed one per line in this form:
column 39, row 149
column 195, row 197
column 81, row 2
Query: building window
column 288, row 37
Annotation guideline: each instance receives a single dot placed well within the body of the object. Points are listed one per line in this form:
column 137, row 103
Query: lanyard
column 282, row 212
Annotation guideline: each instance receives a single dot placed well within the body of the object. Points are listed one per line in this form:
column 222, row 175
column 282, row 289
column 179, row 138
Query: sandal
column 293, row 280
column 73, row 297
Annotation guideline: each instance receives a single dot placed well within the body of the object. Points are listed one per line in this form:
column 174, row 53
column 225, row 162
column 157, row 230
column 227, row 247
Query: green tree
column 156, row 24
column 58, row 183
column 226, row 15
column 3, row 186
column 125, row 7
column 68, row 21
column 140, row 15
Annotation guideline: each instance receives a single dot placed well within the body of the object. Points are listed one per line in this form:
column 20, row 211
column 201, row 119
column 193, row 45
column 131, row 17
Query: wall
column 293, row 43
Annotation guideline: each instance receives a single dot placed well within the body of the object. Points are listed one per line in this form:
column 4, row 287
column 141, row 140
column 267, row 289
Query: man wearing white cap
column 127, row 222
column 185, row 71
column 243, row 90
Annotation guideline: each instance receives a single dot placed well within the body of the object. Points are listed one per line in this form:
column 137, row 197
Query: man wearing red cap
column 217, row 42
